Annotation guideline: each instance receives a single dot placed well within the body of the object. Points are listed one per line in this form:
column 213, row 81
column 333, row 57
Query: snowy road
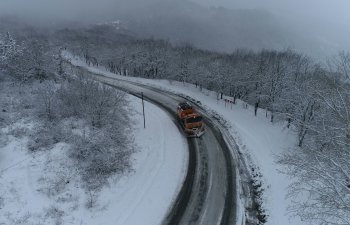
column 208, row 194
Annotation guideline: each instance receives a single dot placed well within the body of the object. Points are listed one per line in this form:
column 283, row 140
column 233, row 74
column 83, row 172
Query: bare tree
column 47, row 99
column 321, row 169
column 342, row 64
column 8, row 49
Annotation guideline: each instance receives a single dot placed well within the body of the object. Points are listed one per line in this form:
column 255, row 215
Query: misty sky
column 324, row 16
column 334, row 11
column 329, row 11
column 315, row 18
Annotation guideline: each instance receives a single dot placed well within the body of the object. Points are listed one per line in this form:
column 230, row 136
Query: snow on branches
column 8, row 47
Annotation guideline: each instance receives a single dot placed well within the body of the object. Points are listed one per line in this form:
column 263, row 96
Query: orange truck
column 191, row 121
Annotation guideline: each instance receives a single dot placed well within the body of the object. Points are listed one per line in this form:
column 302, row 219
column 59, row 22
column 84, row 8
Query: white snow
column 160, row 166
column 31, row 190
column 259, row 140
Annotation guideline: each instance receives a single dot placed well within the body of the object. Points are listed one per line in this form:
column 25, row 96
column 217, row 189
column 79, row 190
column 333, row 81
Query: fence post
column 143, row 111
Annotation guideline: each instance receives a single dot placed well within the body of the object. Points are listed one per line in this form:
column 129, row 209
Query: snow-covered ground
column 29, row 195
column 258, row 139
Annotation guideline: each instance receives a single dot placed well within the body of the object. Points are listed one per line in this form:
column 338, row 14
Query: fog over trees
column 253, row 64
column 317, row 28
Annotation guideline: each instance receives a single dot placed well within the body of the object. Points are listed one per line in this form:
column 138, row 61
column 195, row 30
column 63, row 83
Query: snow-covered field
column 258, row 139
column 29, row 195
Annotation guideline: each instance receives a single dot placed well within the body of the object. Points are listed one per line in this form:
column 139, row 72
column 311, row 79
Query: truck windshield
column 185, row 105
column 194, row 119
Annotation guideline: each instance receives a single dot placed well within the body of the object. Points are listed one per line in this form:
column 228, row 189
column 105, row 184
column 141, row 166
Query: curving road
column 209, row 193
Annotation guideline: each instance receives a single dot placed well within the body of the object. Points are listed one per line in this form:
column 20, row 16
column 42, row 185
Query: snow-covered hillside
column 31, row 192
column 142, row 196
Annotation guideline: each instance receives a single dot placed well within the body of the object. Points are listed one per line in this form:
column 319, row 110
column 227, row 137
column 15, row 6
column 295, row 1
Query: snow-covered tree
column 320, row 167
column 8, row 48
column 343, row 65
column 36, row 58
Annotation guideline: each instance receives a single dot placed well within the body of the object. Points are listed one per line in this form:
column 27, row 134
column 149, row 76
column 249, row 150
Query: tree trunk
column 289, row 122
column 256, row 108
column 272, row 116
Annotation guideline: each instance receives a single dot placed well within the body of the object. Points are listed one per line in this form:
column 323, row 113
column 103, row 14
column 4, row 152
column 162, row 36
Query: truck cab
column 191, row 121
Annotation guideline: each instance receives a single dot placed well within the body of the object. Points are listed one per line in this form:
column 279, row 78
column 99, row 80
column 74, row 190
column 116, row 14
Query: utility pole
column 143, row 111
